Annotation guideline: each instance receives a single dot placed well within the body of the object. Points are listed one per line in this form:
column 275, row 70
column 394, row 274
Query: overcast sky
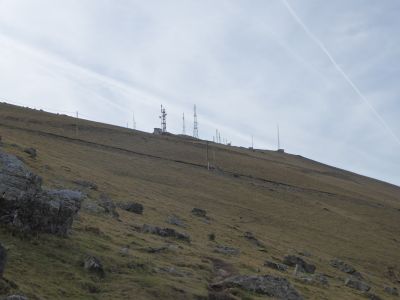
column 326, row 71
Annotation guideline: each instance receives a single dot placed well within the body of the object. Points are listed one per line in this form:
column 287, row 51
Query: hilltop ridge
column 245, row 217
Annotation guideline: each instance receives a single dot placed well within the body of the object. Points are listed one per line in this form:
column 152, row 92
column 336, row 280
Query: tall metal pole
column 133, row 121
column 195, row 124
column 184, row 125
column 279, row 139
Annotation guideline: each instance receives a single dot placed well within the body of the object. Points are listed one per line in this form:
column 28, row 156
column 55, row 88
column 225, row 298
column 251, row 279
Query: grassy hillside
column 289, row 203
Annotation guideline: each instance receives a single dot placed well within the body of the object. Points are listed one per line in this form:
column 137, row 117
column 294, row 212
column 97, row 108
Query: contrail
column 340, row 70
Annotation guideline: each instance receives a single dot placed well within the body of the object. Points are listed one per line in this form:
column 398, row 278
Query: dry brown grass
column 290, row 203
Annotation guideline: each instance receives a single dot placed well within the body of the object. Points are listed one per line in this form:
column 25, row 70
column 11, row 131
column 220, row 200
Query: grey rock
column 31, row 151
column 342, row 266
column 3, row 260
column 94, row 265
column 372, row 296
column 392, row 291
column 292, row 261
column 276, row 266
column 133, row 207
column 173, row 271
column 175, row 220
column 165, row 232
column 268, row 285
column 315, row 279
column 86, row 184
column 198, row 212
column 357, row 284
column 25, row 206
column 124, row 251
column 108, row 205
column 250, row 237
column 226, row 250
column 16, row 297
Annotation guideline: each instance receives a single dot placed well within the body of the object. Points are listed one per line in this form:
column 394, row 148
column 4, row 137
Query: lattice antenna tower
column 163, row 118
column 195, row 124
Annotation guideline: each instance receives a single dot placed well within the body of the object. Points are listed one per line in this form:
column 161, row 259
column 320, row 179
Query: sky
column 326, row 71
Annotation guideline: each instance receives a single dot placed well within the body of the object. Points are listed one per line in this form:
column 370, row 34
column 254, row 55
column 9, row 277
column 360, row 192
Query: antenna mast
column 184, row 125
column 279, row 139
column 195, row 124
column 163, row 118
column 133, row 121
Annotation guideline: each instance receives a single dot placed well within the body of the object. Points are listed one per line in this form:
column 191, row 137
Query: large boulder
column 271, row 286
column 93, row 265
column 24, row 205
column 3, row 259
column 108, row 205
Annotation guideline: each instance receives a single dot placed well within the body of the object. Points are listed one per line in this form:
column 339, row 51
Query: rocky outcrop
column 165, row 232
column 276, row 266
column 175, row 220
column 345, row 268
column 133, row 207
column 392, row 291
column 25, row 206
column 292, row 261
column 3, row 259
column 357, row 284
column 272, row 286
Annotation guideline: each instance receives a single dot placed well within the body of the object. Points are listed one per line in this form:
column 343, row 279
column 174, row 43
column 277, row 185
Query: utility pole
column 183, row 125
column 163, row 118
column 279, row 139
column 195, row 124
column 208, row 161
column 133, row 121
column 76, row 124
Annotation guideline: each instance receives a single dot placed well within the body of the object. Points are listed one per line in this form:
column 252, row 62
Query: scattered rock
column 292, row 261
column 3, row 259
column 124, row 251
column 165, row 232
column 92, row 206
column 108, row 205
column 372, row 296
column 16, row 297
column 211, row 237
column 173, row 271
column 198, row 212
column 221, row 296
column 268, row 285
column 315, row 279
column 133, row 207
column 393, row 275
column 346, row 268
column 175, row 220
column 31, row 151
column 24, row 205
column 392, row 291
column 357, row 284
column 226, row 250
column 250, row 237
column 86, row 184
column 276, row 266
column 93, row 265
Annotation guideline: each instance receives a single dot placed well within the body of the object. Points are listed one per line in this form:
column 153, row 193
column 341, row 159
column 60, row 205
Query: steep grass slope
column 289, row 203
